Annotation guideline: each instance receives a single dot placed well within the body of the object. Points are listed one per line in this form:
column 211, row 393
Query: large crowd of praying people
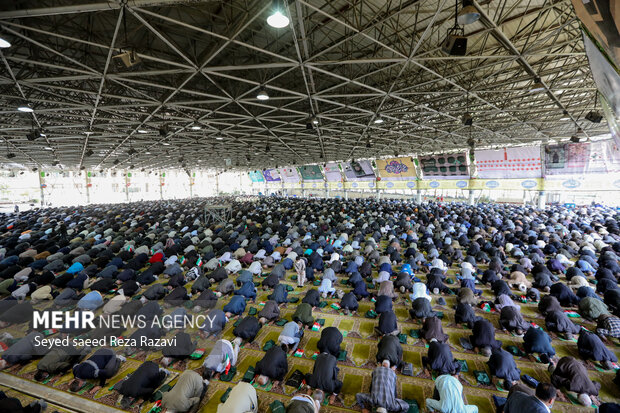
column 565, row 260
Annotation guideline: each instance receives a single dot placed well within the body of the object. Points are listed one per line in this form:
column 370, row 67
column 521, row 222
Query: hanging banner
column 600, row 19
column 332, row 172
column 289, row 174
column 256, row 176
column 582, row 158
column 358, row 171
column 311, row 173
column 606, row 76
column 521, row 162
column 451, row 166
column 396, row 169
column 271, row 175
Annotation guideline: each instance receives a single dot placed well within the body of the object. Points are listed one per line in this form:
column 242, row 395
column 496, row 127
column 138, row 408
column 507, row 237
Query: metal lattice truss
column 345, row 62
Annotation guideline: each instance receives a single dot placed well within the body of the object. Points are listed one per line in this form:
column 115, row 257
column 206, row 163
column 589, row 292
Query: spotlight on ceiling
column 378, row 120
column 26, row 108
column 163, row 130
column 82, row 168
column 537, row 86
column 116, row 162
column 314, row 120
column 35, row 169
column 467, row 120
column 594, row 116
column 55, row 163
column 455, row 43
column 89, row 153
column 267, row 148
column 4, row 43
column 35, row 134
column 278, row 19
column 129, row 58
column 468, row 14
column 10, row 155
column 262, row 94
column 368, row 144
column 132, row 151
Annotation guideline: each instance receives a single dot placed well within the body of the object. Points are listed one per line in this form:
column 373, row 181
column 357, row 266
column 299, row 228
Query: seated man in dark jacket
column 273, row 366
column 571, row 374
column 58, row 360
column 541, row 402
column 421, row 309
column 181, row 350
column 440, row 359
column 141, row 383
column 312, row 297
column 330, row 341
column 536, row 340
column 102, row 365
column 390, row 349
column 387, row 324
column 248, row 328
column 349, row 303
column 591, row 347
column 483, row 337
column 502, row 365
column 324, row 375
column 558, row 322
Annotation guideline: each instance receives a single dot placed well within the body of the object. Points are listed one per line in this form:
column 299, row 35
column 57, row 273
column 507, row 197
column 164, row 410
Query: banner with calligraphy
column 396, row 169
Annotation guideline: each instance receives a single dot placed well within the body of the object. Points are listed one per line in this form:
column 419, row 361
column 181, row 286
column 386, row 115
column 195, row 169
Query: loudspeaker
column 455, row 45
column 575, row 139
column 594, row 117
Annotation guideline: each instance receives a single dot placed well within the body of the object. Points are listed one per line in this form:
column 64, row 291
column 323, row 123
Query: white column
column 472, row 200
column 542, row 199
column 419, row 197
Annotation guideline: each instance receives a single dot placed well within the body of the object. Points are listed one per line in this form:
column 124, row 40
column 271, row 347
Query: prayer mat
column 360, row 354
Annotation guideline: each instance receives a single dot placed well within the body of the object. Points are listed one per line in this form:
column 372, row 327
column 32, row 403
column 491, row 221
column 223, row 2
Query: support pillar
column 419, row 197
column 42, row 187
column 87, row 187
column 542, row 199
column 161, row 186
column 472, row 199
column 191, row 186
column 217, row 184
column 127, row 186
column 326, row 190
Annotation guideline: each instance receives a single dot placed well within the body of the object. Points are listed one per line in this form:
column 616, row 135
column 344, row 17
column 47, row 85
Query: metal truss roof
column 344, row 61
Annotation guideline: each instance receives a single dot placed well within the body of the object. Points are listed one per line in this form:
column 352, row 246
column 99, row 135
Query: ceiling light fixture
column 468, row 14
column 537, row 86
column 277, row 19
column 196, row 127
column 594, row 116
column 378, row 119
column 27, row 108
column 262, row 94
column 4, row 43
column 315, row 120
column 165, row 143
column 142, row 131
column 467, row 120
column 219, row 138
